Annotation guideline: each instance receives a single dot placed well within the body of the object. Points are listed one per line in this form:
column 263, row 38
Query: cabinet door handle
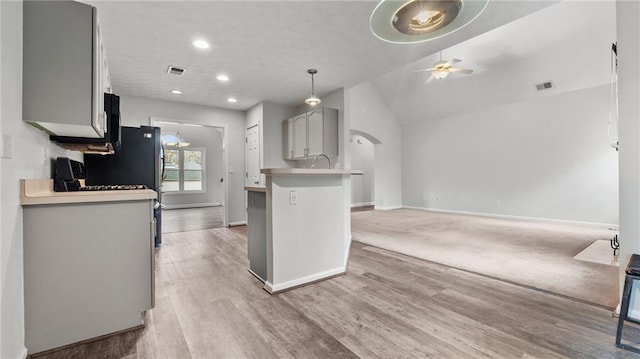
column 104, row 122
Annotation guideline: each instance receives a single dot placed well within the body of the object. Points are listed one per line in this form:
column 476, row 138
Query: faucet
column 313, row 164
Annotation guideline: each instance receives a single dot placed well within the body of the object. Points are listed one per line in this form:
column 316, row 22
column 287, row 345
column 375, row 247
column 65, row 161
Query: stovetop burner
column 113, row 187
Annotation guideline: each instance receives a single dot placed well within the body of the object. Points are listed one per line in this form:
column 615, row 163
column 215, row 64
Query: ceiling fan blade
column 429, row 79
column 457, row 69
column 422, row 70
column 454, row 61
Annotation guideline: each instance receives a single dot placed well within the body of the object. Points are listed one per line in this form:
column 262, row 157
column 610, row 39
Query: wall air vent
column 544, row 86
column 173, row 70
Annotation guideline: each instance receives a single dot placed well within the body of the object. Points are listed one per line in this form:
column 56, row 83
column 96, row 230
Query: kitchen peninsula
column 88, row 263
column 298, row 226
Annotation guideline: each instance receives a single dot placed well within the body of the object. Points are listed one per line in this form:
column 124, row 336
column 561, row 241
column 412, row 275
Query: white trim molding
column 274, row 289
column 387, row 208
column 519, row 218
column 23, row 354
column 192, row 205
column 362, row 204
column 235, row 224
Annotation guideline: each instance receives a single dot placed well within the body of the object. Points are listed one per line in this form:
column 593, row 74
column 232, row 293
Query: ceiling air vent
column 175, row 71
column 544, row 86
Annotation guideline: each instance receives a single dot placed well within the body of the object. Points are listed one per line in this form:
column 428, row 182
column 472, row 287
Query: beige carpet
column 538, row 255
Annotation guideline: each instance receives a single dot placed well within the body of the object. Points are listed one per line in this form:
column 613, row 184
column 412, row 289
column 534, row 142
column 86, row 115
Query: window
column 183, row 170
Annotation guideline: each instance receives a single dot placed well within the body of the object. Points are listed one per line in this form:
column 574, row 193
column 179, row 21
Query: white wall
column 547, row 158
column 27, row 161
column 272, row 118
column 137, row 111
column 369, row 114
column 362, row 158
column 627, row 14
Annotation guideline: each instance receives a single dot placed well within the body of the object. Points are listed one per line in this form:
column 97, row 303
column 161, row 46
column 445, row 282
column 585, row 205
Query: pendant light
column 181, row 141
column 176, row 140
column 313, row 100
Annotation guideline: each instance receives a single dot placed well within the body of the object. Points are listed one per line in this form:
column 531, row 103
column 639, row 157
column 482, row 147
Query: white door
column 252, row 150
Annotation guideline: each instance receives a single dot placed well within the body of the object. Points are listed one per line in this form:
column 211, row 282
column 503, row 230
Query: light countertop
column 309, row 171
column 40, row 191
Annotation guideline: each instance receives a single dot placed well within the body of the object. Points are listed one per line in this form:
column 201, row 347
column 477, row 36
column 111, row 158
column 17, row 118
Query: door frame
column 153, row 121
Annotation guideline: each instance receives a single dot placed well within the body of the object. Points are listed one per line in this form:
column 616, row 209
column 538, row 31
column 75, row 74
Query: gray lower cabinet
column 257, row 233
column 88, row 270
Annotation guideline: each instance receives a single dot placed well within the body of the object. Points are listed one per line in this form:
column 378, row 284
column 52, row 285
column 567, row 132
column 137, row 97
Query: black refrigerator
column 139, row 160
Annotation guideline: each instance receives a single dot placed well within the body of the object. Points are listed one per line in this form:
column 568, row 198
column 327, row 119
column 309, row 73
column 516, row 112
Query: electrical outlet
column 293, row 198
column 45, row 155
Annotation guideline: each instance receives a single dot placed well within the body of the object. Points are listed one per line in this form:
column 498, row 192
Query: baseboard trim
column 256, row 275
column 299, row 282
column 193, row 205
column 520, row 218
column 386, row 208
column 363, row 204
column 23, row 354
column 236, row 224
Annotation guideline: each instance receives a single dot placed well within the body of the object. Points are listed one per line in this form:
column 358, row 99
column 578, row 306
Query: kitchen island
column 88, row 263
column 306, row 225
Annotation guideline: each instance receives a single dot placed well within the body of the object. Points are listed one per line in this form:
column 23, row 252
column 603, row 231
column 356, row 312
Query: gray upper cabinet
column 310, row 134
column 64, row 69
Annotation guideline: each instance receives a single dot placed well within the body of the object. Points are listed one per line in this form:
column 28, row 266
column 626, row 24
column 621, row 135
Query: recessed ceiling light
column 201, row 44
column 176, row 92
column 232, row 100
column 222, row 77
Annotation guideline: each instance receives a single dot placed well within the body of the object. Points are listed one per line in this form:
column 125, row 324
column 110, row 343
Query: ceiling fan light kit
column 401, row 21
column 440, row 74
column 442, row 69
column 312, row 100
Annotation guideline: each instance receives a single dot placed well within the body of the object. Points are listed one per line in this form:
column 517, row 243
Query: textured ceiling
column 264, row 46
column 560, row 43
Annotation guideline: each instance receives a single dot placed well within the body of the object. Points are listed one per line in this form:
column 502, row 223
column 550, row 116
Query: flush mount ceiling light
column 201, row 44
column 312, row 100
column 232, row 100
column 176, row 92
column 222, row 78
column 405, row 22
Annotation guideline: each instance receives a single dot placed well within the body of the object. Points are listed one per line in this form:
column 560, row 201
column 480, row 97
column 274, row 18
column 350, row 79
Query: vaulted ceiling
column 568, row 44
column 265, row 47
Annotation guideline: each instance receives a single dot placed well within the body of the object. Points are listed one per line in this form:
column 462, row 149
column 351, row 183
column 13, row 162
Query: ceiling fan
column 442, row 69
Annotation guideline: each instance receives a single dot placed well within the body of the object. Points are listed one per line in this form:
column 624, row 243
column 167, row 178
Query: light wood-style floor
column 190, row 219
column 387, row 306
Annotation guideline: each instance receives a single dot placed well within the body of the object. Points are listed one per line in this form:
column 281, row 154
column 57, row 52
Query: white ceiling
column 264, row 46
column 568, row 43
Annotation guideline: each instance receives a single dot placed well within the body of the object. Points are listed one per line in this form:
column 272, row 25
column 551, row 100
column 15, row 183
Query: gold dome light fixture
column 312, row 100
column 415, row 21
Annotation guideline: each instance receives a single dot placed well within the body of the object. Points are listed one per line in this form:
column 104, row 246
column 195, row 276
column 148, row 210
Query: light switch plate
column 293, row 197
column 5, row 146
